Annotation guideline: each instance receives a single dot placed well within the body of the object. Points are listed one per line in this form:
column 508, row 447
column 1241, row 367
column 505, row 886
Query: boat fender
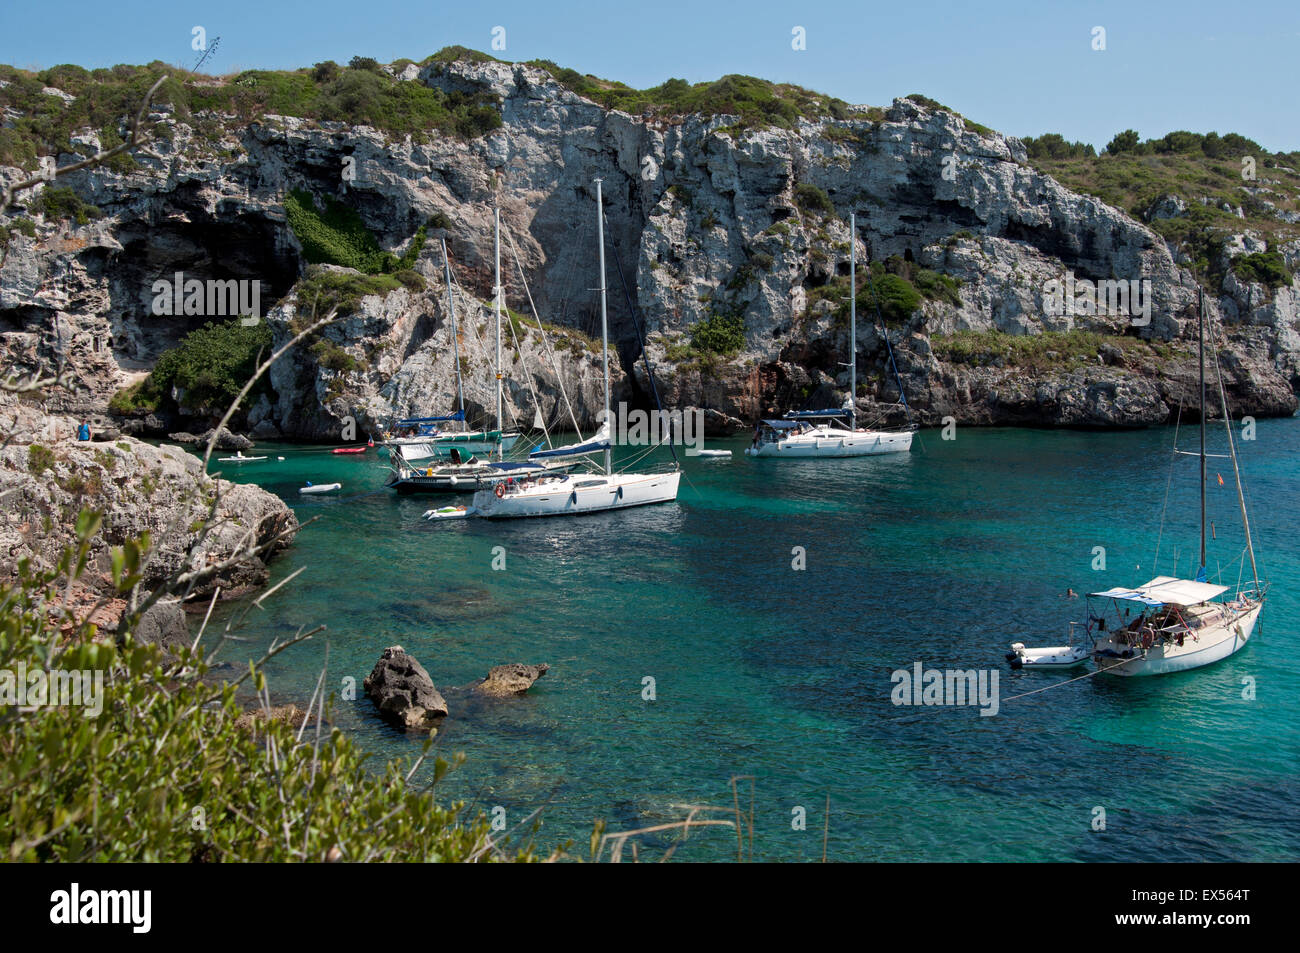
column 500, row 490
column 619, row 494
column 573, row 497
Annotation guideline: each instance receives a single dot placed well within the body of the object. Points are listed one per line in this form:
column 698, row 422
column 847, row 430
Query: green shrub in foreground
column 162, row 773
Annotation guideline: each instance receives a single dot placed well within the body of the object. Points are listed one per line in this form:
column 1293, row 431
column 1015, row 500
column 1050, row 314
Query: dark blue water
column 942, row 556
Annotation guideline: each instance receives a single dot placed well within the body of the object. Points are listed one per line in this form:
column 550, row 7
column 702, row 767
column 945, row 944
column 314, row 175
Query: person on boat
column 83, row 432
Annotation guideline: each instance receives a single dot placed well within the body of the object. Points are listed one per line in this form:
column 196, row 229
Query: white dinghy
column 321, row 488
column 1058, row 656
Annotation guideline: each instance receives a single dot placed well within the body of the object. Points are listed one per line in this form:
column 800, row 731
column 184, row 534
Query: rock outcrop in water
column 707, row 221
column 514, row 678
column 403, row 692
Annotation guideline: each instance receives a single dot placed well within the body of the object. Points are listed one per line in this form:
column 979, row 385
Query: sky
column 1024, row 68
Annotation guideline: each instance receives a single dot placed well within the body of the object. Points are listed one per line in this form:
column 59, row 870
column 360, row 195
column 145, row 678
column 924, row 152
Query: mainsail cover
column 412, row 421
column 599, row 441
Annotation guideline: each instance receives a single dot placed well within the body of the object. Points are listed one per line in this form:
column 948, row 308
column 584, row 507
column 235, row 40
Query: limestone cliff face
column 701, row 219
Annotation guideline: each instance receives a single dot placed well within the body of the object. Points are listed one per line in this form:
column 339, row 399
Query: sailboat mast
column 455, row 332
column 1236, row 472
column 1200, row 301
column 853, row 322
column 496, row 305
column 604, row 320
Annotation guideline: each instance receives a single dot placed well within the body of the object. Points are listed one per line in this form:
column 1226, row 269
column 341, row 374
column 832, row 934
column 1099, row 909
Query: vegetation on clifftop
column 757, row 102
column 1213, row 175
column 358, row 94
column 1041, row 353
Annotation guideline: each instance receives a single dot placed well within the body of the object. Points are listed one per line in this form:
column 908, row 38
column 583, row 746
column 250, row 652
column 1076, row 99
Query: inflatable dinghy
column 1059, row 656
column 450, row 513
column 321, row 488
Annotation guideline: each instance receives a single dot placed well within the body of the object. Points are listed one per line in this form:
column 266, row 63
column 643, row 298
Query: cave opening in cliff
column 251, row 252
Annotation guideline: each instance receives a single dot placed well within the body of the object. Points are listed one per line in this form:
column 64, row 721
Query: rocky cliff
column 47, row 477
column 713, row 223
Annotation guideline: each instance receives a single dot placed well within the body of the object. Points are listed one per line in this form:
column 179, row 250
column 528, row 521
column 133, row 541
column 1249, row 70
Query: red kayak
column 350, row 450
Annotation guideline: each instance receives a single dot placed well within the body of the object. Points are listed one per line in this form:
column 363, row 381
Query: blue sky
column 1021, row 67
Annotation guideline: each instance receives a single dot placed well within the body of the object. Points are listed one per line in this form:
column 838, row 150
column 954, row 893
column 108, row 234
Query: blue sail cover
column 412, row 421
column 596, row 443
column 815, row 414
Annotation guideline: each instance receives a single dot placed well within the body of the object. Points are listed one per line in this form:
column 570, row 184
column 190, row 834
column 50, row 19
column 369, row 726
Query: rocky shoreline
column 47, row 477
column 721, row 226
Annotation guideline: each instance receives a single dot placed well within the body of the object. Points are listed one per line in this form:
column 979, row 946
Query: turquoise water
column 944, row 556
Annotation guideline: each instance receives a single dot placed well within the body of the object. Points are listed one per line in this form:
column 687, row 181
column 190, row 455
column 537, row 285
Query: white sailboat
column 831, row 433
column 428, row 440
column 555, row 494
column 1179, row 624
column 449, row 465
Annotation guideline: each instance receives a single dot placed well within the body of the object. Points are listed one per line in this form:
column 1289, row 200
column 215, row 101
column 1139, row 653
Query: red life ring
column 500, row 490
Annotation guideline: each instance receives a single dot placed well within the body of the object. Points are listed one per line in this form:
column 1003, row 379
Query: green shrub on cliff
column 322, row 290
column 331, row 356
column 895, row 296
column 154, row 763
column 813, row 200
column 1265, row 267
column 719, row 333
column 62, row 203
column 207, row 369
column 334, row 235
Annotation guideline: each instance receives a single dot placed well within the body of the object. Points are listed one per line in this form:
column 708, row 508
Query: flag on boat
column 1220, row 476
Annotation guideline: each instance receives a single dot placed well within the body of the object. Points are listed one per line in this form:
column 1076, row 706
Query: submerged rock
column 403, row 691
column 290, row 715
column 514, row 678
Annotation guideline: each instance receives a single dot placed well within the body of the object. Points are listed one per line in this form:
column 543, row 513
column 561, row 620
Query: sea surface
column 781, row 676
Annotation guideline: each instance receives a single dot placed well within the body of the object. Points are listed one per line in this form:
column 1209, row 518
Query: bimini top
column 1166, row 590
column 412, row 421
column 815, row 414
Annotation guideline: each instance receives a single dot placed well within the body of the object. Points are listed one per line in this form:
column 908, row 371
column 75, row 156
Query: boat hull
column 1215, row 642
column 415, row 482
column 580, row 493
column 835, row 443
